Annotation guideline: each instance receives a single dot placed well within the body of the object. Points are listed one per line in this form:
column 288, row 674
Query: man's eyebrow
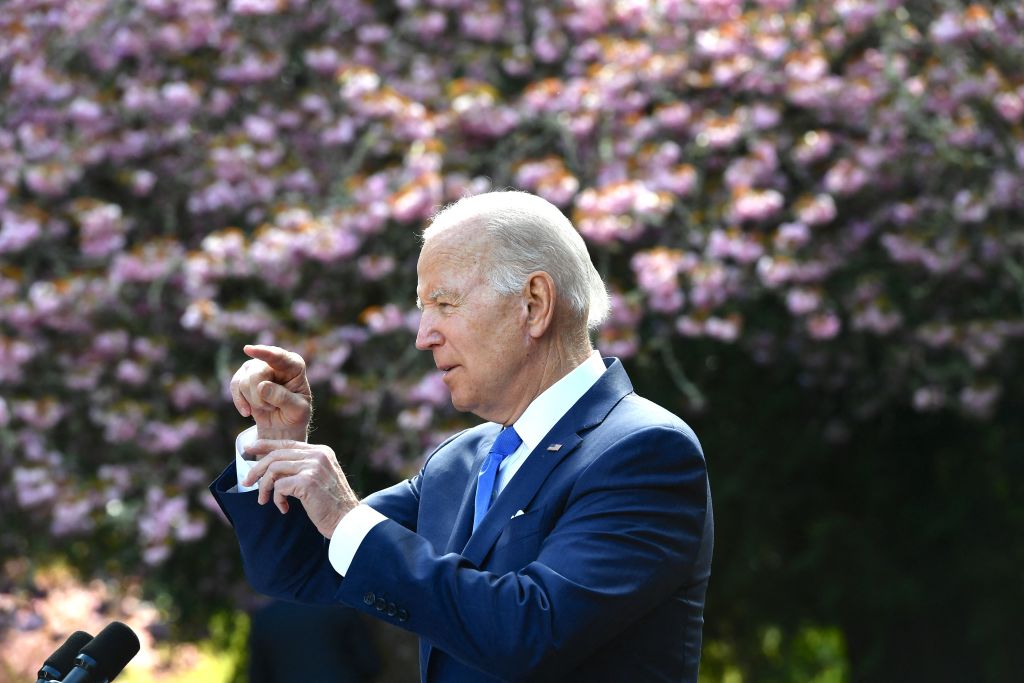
column 435, row 295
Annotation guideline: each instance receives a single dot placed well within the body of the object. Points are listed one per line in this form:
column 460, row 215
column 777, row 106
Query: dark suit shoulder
column 634, row 413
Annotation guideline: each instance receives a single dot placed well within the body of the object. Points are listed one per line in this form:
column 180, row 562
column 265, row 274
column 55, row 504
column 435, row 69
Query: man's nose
column 427, row 335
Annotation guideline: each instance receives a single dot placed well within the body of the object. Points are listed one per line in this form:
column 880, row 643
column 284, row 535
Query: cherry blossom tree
column 830, row 194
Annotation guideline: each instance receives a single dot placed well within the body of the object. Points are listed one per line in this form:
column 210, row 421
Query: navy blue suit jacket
column 601, row 578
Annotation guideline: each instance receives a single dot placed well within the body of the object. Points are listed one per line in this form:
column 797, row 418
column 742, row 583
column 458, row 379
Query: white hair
column 526, row 234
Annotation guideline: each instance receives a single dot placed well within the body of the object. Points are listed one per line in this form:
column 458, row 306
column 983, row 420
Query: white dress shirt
column 535, row 422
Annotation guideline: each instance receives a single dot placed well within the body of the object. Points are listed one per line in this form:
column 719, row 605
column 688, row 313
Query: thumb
column 279, row 397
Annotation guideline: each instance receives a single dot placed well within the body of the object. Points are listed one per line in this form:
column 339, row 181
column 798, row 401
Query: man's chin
column 464, row 406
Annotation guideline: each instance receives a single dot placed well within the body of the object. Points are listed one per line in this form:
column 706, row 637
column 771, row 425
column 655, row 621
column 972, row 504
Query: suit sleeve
column 284, row 556
column 629, row 536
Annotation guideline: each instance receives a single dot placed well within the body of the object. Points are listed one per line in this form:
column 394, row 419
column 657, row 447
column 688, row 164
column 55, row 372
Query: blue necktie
column 506, row 444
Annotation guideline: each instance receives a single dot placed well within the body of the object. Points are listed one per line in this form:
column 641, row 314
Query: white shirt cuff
column 242, row 466
column 349, row 533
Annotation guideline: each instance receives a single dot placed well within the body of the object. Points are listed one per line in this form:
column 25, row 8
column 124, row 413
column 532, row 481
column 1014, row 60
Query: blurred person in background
column 568, row 537
column 295, row 643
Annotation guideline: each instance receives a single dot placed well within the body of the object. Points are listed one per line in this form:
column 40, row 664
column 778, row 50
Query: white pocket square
column 517, row 514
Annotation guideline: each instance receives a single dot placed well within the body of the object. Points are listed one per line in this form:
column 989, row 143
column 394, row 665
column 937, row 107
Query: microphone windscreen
column 112, row 648
column 63, row 658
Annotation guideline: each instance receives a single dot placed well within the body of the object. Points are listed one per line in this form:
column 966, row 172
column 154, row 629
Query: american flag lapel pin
column 554, row 447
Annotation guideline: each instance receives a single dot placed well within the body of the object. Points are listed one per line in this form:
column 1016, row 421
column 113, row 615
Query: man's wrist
column 279, row 434
column 349, row 534
column 344, row 509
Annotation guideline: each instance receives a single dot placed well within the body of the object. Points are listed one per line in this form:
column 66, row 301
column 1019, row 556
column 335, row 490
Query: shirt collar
column 547, row 409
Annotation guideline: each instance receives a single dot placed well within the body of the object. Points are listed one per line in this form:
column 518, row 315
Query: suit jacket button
column 369, row 598
column 380, row 604
column 403, row 615
column 392, row 609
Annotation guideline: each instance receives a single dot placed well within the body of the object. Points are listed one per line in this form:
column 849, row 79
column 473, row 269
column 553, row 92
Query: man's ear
column 540, row 297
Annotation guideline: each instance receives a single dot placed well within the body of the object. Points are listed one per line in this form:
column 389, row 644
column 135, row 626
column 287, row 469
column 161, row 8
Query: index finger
column 261, row 447
column 268, row 452
column 280, row 360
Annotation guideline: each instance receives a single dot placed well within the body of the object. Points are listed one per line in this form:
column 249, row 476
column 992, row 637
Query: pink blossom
column 723, row 329
column 252, row 68
column 33, row 80
column 719, row 43
column 801, row 301
column 152, row 261
column 624, row 313
column 431, row 390
column 674, row 116
column 679, row 180
column 71, row 517
column 734, row 244
column 189, row 392
column 260, row 130
column 756, row 205
column 156, row 554
column 257, row 7
column 929, row 398
column 813, row 146
column 622, row 347
column 178, row 99
column 142, row 182
column 823, row 326
column 41, row 414
column 189, row 530
column 17, row 231
column 774, row 272
column 969, row 208
column 1010, row 105
column 429, row 24
column 719, row 10
column 816, row 210
column 937, row 335
column 710, row 286
column 85, row 112
column 718, row 132
column 791, row 236
column 845, row 178
column 383, row 320
column 415, row 419
column 482, row 22
column 34, row 486
column 103, row 229
column 371, row 34
column 376, row 267
column 131, row 372
column 764, row 116
column 979, row 400
column 322, row 59
column 51, row 180
column 873, row 318
column 947, row 28
column 657, row 273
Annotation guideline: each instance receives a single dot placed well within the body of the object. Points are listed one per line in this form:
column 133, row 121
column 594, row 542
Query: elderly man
column 567, row 538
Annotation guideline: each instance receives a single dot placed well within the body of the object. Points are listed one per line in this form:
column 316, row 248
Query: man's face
column 478, row 337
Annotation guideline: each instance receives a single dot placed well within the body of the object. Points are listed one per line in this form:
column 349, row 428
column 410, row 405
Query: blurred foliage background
column 809, row 215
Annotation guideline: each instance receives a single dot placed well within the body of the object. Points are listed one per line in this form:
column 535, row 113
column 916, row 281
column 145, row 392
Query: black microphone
column 63, row 658
column 103, row 658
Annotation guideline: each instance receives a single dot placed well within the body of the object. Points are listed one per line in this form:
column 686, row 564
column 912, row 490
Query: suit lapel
column 464, row 521
column 588, row 412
